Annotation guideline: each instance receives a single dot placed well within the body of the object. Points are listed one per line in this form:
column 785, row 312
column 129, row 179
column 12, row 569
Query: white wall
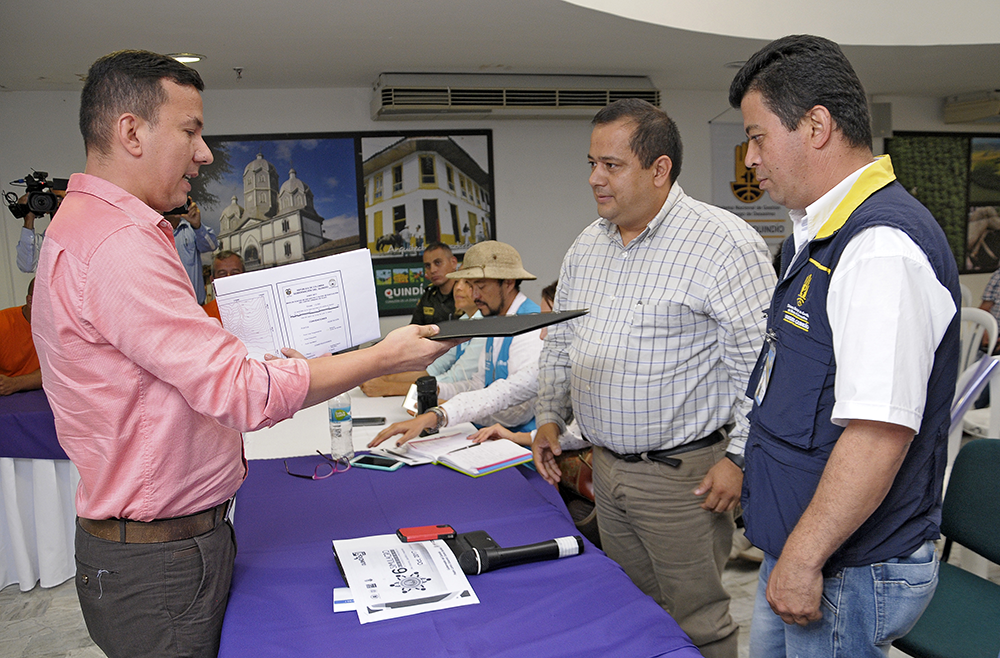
column 542, row 200
column 39, row 132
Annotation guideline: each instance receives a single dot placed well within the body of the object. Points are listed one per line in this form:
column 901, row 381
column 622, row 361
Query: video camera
column 41, row 199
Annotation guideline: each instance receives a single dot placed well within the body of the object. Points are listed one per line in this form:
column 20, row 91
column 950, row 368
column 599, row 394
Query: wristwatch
column 737, row 459
column 442, row 417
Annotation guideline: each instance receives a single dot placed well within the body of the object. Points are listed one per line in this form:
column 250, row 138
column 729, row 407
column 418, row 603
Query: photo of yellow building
column 420, row 190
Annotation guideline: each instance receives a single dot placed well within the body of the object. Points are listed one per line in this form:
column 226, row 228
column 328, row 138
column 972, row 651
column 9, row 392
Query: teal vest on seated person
column 500, row 371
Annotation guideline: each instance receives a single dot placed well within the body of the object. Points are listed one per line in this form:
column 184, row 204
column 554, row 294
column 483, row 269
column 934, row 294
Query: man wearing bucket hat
column 504, row 388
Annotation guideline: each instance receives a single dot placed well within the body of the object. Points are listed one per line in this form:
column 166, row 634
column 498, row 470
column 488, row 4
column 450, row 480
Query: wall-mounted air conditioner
column 502, row 96
column 974, row 107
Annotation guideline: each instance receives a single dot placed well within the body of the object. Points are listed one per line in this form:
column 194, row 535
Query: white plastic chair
column 985, row 422
column 979, row 423
column 975, row 324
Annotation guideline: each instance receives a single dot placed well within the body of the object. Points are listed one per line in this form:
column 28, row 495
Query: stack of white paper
column 389, row 578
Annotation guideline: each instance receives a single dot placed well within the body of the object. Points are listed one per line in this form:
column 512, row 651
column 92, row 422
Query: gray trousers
column 653, row 526
column 163, row 599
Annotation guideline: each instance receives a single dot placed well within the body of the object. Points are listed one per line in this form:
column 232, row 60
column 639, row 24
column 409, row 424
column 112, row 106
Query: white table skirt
column 37, row 521
column 37, row 496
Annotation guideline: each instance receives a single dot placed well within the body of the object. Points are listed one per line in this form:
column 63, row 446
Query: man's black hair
column 655, row 133
column 127, row 81
column 437, row 245
column 795, row 74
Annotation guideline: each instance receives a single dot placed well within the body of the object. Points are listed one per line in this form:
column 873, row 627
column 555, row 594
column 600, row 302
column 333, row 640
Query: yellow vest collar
column 872, row 179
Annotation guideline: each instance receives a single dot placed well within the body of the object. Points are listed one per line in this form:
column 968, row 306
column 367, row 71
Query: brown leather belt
column 158, row 531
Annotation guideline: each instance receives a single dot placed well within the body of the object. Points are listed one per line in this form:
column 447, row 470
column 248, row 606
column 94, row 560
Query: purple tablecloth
column 27, row 430
column 281, row 603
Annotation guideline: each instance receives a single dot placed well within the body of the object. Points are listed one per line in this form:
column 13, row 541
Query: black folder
column 503, row 325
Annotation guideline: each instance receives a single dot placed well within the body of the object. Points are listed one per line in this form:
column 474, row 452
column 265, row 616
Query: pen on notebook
column 463, row 448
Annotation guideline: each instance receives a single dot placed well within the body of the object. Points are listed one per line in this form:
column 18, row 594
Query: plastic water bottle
column 341, row 425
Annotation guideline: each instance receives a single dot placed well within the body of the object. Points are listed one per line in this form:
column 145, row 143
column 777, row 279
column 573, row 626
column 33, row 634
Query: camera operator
column 42, row 197
column 29, row 244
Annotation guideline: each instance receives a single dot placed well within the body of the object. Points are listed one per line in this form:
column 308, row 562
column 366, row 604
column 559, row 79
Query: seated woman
column 454, row 365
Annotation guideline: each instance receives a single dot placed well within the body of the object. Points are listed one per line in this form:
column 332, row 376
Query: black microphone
column 479, row 560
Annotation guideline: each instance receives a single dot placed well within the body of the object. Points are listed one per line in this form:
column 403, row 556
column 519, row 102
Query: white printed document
column 389, row 578
column 315, row 306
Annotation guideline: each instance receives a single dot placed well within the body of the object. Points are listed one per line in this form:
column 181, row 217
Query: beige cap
column 491, row 260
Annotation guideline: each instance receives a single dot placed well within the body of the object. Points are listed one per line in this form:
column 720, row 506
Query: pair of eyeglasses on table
column 324, row 469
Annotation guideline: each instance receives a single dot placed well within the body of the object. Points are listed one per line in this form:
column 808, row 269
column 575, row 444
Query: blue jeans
column 864, row 610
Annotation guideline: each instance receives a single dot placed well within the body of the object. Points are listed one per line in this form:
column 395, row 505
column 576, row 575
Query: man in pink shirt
column 149, row 393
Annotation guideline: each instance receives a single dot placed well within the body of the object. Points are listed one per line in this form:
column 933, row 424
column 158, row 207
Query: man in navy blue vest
column 848, row 432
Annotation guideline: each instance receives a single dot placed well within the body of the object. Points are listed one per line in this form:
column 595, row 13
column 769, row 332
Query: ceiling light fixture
column 187, row 58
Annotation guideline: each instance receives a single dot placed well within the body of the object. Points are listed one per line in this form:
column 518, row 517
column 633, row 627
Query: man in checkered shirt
column 656, row 373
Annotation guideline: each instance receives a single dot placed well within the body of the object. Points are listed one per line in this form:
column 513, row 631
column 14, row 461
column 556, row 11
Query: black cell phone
column 369, row 421
column 378, row 462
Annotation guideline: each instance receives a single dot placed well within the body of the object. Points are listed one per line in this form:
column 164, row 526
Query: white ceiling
column 49, row 44
column 848, row 22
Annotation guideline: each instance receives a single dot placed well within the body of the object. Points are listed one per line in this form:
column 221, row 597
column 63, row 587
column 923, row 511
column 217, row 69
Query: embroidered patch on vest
column 796, row 316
